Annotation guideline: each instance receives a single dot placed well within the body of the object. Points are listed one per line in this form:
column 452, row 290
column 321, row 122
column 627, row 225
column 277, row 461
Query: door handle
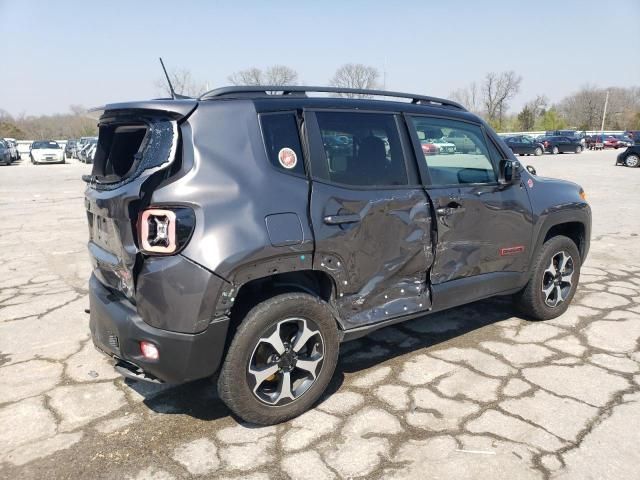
column 446, row 211
column 339, row 219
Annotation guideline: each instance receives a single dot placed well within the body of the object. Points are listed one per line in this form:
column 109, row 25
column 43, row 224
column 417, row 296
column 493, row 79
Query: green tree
column 526, row 119
column 550, row 120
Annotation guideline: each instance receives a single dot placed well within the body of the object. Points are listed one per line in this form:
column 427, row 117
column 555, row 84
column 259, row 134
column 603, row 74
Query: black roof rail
column 264, row 90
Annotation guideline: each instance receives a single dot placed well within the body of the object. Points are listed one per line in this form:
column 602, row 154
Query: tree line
column 490, row 97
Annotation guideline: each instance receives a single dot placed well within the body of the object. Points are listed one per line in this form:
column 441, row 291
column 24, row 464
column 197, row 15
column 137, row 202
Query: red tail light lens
column 165, row 231
column 149, row 350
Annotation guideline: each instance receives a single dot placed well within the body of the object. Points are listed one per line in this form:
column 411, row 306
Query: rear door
column 565, row 144
column 371, row 217
column 483, row 227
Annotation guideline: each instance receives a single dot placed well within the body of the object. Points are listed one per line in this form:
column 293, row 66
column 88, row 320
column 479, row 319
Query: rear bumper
column 117, row 329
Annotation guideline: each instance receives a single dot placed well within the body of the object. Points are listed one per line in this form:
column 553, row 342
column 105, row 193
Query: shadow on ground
column 199, row 399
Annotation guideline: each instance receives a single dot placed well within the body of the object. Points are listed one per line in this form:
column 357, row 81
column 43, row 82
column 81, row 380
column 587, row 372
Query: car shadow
column 199, row 399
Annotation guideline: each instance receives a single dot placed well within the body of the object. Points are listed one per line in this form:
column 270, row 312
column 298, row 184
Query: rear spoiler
column 176, row 109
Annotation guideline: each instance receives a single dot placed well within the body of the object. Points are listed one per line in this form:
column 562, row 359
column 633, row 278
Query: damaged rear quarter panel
column 232, row 188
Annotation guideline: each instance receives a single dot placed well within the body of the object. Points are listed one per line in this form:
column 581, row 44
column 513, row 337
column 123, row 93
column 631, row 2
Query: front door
column 483, row 227
column 371, row 217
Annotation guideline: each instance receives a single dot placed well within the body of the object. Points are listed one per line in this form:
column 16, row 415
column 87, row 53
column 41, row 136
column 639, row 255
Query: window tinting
column 451, row 160
column 280, row 131
column 362, row 149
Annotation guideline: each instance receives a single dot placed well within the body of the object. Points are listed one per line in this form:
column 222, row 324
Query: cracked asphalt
column 474, row 392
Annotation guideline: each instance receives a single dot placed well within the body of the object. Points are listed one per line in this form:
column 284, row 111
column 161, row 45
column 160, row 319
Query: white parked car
column 443, row 146
column 46, row 151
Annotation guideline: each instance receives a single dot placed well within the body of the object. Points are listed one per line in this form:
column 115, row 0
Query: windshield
column 45, row 144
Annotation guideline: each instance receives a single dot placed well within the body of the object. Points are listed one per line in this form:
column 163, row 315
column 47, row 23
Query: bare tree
column 274, row 75
column 355, row 75
column 584, row 108
column 497, row 90
column 469, row 97
column 183, row 83
column 281, row 75
column 251, row 76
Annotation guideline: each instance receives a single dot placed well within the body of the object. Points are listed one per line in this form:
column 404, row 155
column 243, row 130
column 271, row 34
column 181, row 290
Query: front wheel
column 578, row 149
column 554, row 280
column 281, row 359
column 632, row 161
column 537, row 152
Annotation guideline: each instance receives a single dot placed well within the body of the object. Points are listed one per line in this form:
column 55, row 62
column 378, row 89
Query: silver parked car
column 5, row 153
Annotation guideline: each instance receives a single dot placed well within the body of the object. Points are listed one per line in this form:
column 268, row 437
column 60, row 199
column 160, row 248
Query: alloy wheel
column 286, row 361
column 632, row 161
column 557, row 279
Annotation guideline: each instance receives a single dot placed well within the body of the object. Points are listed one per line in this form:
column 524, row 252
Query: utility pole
column 384, row 74
column 604, row 113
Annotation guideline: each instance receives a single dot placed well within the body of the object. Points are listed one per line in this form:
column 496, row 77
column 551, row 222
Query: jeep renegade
column 249, row 231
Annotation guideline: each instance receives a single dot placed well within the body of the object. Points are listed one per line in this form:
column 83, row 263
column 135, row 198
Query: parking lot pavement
column 474, row 392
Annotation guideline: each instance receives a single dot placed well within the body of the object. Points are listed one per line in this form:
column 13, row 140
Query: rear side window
column 457, row 160
column 362, row 149
column 282, row 141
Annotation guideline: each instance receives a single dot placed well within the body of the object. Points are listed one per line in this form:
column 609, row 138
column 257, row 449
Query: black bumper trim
column 183, row 357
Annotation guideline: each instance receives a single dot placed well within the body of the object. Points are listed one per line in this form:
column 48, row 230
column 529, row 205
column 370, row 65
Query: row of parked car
column 568, row 141
column 83, row 149
column 8, row 151
column 50, row 151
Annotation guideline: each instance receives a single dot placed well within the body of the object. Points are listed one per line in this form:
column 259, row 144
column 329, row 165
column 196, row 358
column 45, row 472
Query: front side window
column 362, row 149
column 282, row 141
column 454, row 160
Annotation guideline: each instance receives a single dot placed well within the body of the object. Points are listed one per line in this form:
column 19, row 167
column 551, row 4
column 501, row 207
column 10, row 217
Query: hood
column 46, row 151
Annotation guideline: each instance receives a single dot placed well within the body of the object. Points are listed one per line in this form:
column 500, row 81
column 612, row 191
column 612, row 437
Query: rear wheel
column 537, row 152
column 578, row 149
column 632, row 161
column 281, row 359
column 553, row 282
column 555, row 150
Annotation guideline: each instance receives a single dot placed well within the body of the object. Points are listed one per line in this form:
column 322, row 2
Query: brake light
column 165, row 231
column 149, row 350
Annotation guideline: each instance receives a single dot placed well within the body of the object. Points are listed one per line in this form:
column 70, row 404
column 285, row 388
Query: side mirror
column 531, row 170
column 509, row 172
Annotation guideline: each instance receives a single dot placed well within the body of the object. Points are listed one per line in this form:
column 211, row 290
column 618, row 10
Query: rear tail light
column 165, row 231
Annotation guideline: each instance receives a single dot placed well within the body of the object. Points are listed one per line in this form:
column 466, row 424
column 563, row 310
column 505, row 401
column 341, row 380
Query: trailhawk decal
column 511, row 250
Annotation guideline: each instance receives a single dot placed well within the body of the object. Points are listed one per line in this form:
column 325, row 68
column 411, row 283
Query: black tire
column 632, row 160
column 555, row 150
column 530, row 301
column 263, row 320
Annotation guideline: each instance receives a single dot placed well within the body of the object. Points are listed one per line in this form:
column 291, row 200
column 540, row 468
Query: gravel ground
column 473, row 392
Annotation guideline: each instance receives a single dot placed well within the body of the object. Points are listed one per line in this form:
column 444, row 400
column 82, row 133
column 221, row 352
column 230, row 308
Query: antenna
column 173, row 93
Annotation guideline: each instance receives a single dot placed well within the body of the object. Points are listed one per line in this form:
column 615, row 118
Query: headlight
column 583, row 195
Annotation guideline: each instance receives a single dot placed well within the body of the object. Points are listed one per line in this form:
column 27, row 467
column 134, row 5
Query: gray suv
column 250, row 231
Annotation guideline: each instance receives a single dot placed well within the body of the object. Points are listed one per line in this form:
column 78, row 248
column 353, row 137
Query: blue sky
column 58, row 53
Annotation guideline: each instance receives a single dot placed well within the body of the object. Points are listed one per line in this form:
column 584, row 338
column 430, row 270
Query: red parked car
column 609, row 142
column 429, row 148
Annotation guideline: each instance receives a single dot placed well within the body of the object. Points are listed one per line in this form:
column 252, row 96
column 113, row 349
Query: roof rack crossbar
column 289, row 90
